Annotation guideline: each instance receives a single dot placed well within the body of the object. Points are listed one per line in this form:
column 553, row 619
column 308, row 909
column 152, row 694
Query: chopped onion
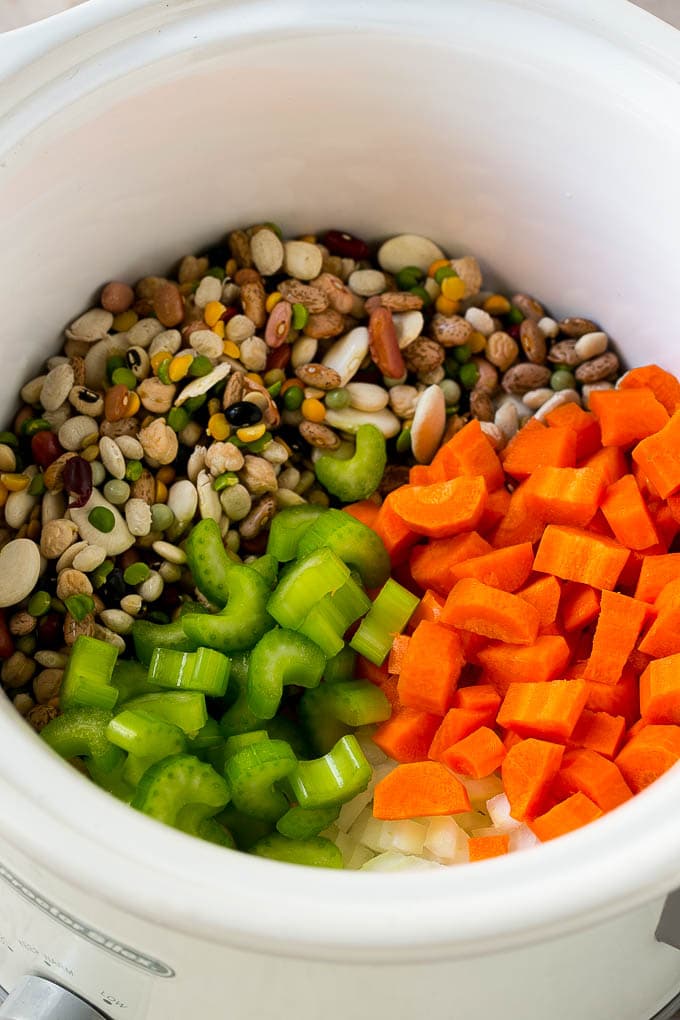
column 522, row 838
column 392, row 861
column 498, row 809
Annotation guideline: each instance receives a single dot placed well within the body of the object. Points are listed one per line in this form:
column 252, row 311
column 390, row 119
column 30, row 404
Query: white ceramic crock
column 543, row 135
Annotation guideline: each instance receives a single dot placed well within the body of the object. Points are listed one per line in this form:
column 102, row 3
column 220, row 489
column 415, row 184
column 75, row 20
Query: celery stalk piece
column 87, row 678
column 305, row 583
column 332, row 779
column 316, row 852
column 389, row 614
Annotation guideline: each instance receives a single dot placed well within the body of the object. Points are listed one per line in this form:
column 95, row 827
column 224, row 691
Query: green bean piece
column 181, row 790
column 316, row 852
column 82, row 733
column 353, row 542
column 243, row 620
column 304, row 583
column 332, row 779
column 149, row 636
column 288, row 527
column 251, row 774
column 358, row 477
column 281, row 657
column 303, row 823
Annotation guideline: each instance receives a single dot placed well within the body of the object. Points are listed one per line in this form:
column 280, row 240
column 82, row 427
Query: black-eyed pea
column 73, row 582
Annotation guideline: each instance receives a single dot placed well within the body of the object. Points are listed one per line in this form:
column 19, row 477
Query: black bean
column 243, row 413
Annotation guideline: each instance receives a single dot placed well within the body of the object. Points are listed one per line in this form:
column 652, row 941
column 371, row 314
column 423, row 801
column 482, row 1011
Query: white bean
column 367, row 396
column 138, row 517
column 209, row 505
column 429, row 422
column 302, row 260
column 367, row 282
column 75, row 430
column 89, row 559
column 171, row 553
column 347, row 354
column 348, row 419
column 408, row 327
column 209, row 289
column 559, row 398
column 112, row 457
column 19, row 570
column 548, row 327
column 408, row 250
column 536, row 398
column 480, row 320
column 590, row 345
column 303, row 351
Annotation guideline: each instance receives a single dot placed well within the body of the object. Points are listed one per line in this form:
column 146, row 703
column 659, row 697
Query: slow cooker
column 541, row 135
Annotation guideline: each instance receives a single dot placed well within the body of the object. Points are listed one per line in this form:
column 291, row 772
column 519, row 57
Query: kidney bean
column 339, row 242
column 77, row 479
column 278, row 357
column 45, row 448
column 383, row 344
column 6, row 642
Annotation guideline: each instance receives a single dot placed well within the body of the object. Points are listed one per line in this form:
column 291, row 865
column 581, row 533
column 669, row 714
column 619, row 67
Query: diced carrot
column 673, row 504
column 536, row 446
column 660, row 691
column 429, row 608
column 527, row 773
column 365, row 511
column 636, row 728
column 476, row 755
column 649, row 754
column 617, row 699
column 497, row 505
column 626, row 416
column 442, row 509
column 425, row 474
column 518, row 525
column 544, row 595
column 544, row 660
column 396, row 536
column 565, row 495
column 478, row 698
column 663, row 385
column 457, row 724
column 469, row 452
column 619, row 625
column 418, row 789
column 584, row 424
column 663, row 637
column 407, row 735
column 668, row 597
column 494, row 614
column 580, row 605
column 655, row 574
column 599, row 731
column 627, row 515
column 432, row 564
column 389, row 687
column 659, row 457
column 570, row 814
column 483, row 848
column 472, row 644
column 510, row 738
column 431, row 667
column 610, row 463
column 397, row 654
column 592, row 774
column 548, row 711
column 366, row 670
column 576, row 555
column 665, row 524
column 638, row 661
column 506, row 568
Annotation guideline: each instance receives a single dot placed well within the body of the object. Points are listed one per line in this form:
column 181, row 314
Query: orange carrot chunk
column 497, row 506
column 626, row 416
column 469, row 452
column 663, row 385
column 430, row 669
column 397, row 654
column 429, row 608
column 407, row 735
column 426, row 474
column 544, row 660
column 365, row 511
column 536, row 446
column 660, row 691
column 576, row 555
column 527, row 773
column 483, row 848
column 432, row 564
column 478, row 698
column 418, row 789
column 506, row 568
column 544, row 595
column 442, row 509
column 584, row 424
column 650, row 753
column 571, row 814
column 617, row 699
column 457, row 724
column 658, row 456
column 548, row 710
column 476, row 755
column 580, row 605
column 663, row 637
column 496, row 614
column 656, row 573
column 518, row 525
column 619, row 625
column 627, row 515
column 565, row 495
column 599, row 731
column 609, row 462
column 396, row 536
column 597, row 777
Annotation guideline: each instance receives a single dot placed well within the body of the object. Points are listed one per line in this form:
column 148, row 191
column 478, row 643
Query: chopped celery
column 316, row 852
column 87, row 678
column 389, row 614
column 208, row 561
column 303, row 584
column 131, row 679
column 245, row 830
column 341, row 666
column 352, row 702
column 243, row 620
column 233, row 745
column 303, row 823
column 148, row 637
column 141, row 733
column 185, row 709
column 358, row 477
column 282, row 728
column 268, row 566
column 203, row 670
column 323, row 730
column 178, row 782
column 251, row 774
column 333, row 779
column 281, row 657
column 287, row 529
column 82, row 733
column 323, row 626
column 355, row 543
column 239, row 718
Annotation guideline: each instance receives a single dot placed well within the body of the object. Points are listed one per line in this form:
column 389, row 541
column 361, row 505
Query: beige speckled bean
column 143, row 332
column 170, row 340
column 302, row 260
column 75, row 430
column 367, row 282
column 73, row 582
column 90, row 326
column 207, row 343
column 266, row 251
